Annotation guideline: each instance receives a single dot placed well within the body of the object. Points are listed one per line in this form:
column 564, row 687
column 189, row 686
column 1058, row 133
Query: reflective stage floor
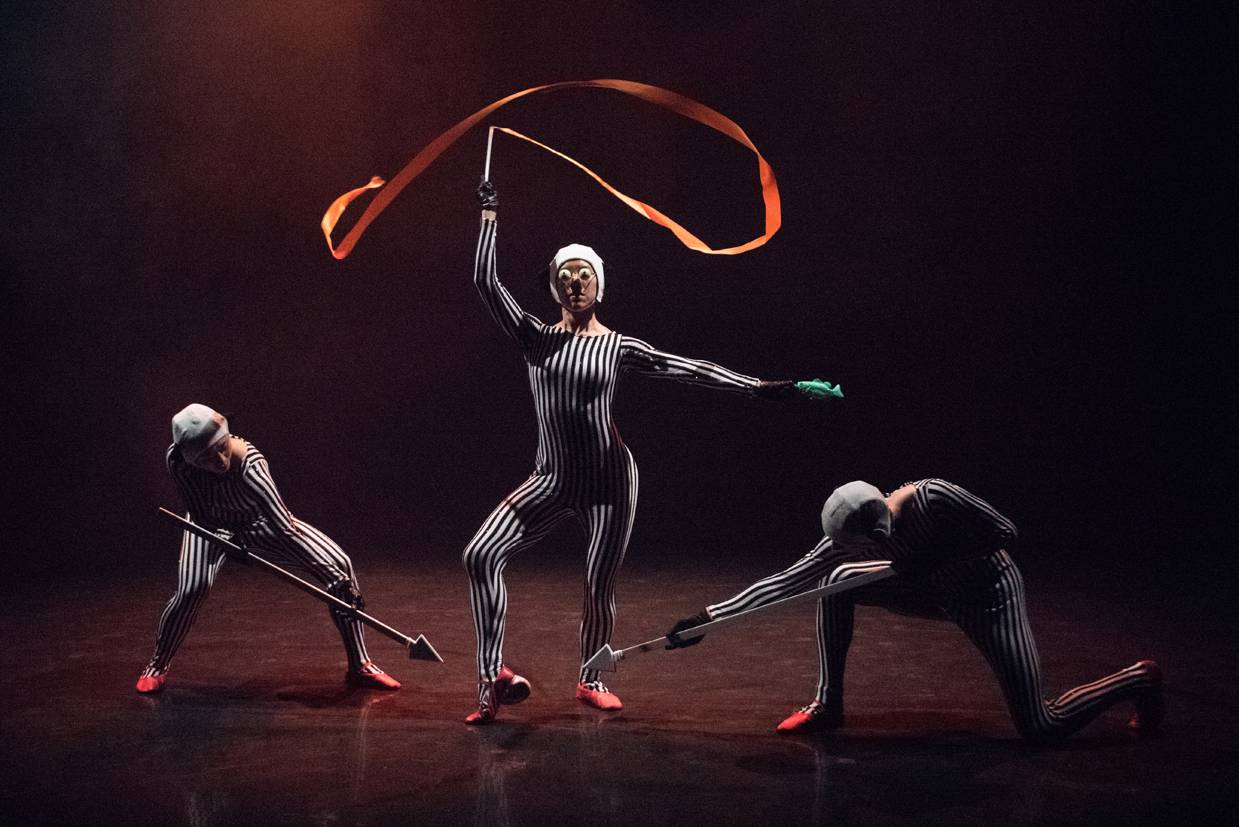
column 256, row 725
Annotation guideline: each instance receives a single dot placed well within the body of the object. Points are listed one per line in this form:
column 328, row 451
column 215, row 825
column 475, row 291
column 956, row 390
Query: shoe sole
column 593, row 705
column 362, row 683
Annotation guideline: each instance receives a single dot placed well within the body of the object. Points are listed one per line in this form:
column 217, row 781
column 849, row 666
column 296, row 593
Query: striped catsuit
column 246, row 508
column 948, row 546
column 582, row 467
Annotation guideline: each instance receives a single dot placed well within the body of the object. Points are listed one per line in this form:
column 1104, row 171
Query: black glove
column 347, row 591
column 782, row 389
column 488, row 196
column 701, row 617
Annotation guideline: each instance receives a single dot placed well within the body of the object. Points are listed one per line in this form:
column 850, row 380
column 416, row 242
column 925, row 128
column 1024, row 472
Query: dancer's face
column 576, row 284
column 216, row 458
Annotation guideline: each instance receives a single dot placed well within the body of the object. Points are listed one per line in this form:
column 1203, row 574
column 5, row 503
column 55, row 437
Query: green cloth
column 819, row 389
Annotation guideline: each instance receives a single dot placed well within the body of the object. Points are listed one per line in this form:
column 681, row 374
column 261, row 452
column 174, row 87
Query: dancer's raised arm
column 503, row 308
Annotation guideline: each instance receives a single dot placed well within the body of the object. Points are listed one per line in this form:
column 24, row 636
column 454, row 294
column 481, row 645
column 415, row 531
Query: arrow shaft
column 287, row 576
column 659, row 643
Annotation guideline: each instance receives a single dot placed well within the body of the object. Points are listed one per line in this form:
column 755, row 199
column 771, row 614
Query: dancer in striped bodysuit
column 228, row 489
column 948, row 547
column 582, row 468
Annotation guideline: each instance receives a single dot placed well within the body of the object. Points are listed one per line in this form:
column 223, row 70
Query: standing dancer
column 228, row 489
column 949, row 549
column 582, row 468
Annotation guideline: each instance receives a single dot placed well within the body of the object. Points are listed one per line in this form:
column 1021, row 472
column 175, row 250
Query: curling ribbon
column 679, row 104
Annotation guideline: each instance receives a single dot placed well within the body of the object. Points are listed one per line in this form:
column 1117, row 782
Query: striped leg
column 835, row 617
column 1000, row 629
column 317, row 555
column 197, row 568
column 609, row 526
column 521, row 519
column 824, row 565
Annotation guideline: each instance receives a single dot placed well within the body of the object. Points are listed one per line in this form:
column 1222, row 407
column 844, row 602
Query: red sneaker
column 508, row 688
column 816, row 717
column 1151, row 702
column 595, row 694
column 150, row 684
column 370, row 676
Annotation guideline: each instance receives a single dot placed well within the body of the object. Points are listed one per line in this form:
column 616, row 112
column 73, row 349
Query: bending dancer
column 948, row 547
column 582, row 468
column 228, row 489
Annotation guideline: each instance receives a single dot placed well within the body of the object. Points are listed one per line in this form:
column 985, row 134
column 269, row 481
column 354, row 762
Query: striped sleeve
column 640, row 357
column 976, row 525
column 826, row 564
column 175, row 463
column 257, row 478
column 503, row 308
column 177, row 469
column 801, row 576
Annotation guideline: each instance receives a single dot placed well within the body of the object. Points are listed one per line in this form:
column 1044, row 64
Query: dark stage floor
column 256, row 725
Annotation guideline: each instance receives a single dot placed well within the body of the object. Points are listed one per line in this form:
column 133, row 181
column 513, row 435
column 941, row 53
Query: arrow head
column 604, row 659
column 420, row 649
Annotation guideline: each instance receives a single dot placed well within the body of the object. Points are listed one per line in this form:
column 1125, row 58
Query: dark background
column 1003, row 231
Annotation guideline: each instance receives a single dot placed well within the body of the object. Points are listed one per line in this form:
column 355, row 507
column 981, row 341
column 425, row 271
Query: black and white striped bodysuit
column 948, row 546
column 582, row 467
column 245, row 507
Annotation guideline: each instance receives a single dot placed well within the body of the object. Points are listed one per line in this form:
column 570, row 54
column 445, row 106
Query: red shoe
column 370, row 676
column 488, row 705
column 816, row 717
column 1150, row 703
column 508, row 688
column 598, row 696
column 150, row 684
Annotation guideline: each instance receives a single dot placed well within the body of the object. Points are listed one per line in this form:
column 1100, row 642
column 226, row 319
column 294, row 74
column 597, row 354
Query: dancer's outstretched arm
column 639, row 356
column 825, row 564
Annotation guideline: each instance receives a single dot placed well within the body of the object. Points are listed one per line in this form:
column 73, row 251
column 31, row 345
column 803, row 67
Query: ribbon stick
column 490, row 141
column 679, row 104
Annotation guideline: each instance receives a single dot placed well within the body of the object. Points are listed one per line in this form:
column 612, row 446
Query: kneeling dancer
column 582, row 468
column 949, row 549
column 228, row 489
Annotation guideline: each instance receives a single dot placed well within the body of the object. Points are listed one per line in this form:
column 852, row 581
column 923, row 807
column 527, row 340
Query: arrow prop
column 607, row 659
column 419, row 648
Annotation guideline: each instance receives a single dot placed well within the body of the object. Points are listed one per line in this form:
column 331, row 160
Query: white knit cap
column 196, row 428
column 585, row 254
column 856, row 508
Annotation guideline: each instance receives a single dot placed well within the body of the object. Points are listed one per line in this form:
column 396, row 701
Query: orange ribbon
column 687, row 107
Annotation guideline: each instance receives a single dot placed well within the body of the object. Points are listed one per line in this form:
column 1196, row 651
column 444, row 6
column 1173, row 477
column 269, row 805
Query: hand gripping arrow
column 607, row 659
column 419, row 648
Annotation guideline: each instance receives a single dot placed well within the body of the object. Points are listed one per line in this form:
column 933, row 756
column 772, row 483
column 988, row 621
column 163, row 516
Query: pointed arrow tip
column 420, row 649
column 604, row 659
